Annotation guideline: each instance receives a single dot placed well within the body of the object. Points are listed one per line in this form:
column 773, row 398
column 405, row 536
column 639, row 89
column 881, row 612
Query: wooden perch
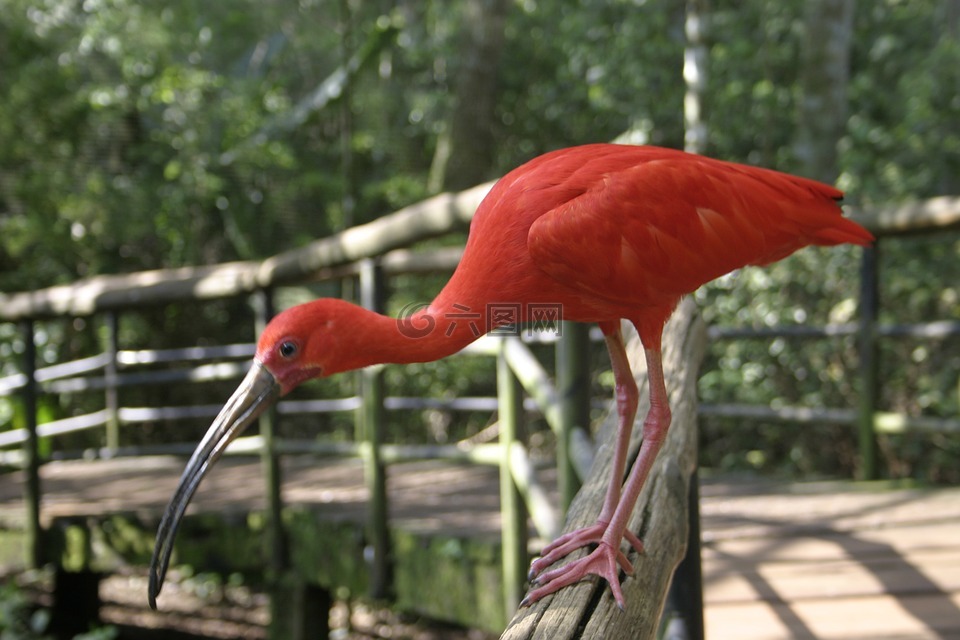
column 922, row 216
column 587, row 610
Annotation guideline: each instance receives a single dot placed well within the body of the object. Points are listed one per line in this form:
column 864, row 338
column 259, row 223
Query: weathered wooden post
column 370, row 419
column 869, row 357
column 685, row 600
column 31, row 452
column 573, row 385
column 270, row 460
column 587, row 609
column 111, row 394
column 513, row 514
column 298, row 611
column 76, row 602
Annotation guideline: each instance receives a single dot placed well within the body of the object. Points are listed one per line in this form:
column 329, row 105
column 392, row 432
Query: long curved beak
column 258, row 391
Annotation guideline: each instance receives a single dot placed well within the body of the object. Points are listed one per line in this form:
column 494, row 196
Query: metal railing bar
column 883, row 421
column 782, row 331
column 56, row 427
column 130, row 358
column 133, row 415
column 534, row 379
column 800, row 415
column 72, row 368
column 466, row 403
column 932, row 330
column 202, row 373
column 11, row 383
column 546, row 519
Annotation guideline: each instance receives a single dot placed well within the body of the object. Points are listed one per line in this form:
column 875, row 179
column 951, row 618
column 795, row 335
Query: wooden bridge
column 811, row 560
column 465, row 559
column 830, row 560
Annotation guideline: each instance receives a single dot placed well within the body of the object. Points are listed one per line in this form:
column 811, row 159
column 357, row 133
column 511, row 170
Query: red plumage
column 614, row 231
column 607, row 232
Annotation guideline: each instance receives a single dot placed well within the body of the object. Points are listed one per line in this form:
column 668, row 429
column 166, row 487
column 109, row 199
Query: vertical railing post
column 297, row 609
column 513, row 514
column 869, row 361
column 685, row 598
column 31, row 451
column 270, row 460
column 370, row 420
column 111, row 395
column 573, row 384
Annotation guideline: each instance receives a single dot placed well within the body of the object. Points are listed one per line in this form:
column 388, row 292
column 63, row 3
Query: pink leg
column 627, row 400
column 607, row 559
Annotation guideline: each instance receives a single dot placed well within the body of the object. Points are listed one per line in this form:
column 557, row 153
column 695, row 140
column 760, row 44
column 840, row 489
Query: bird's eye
column 288, row 349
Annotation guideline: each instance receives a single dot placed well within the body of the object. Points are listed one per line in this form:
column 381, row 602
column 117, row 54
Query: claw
column 565, row 545
column 570, row 542
column 604, row 561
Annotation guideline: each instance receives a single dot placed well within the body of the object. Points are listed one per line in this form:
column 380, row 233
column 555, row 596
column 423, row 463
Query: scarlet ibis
column 601, row 232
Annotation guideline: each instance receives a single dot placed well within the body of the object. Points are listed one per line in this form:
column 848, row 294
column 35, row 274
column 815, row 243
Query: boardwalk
column 826, row 560
column 813, row 560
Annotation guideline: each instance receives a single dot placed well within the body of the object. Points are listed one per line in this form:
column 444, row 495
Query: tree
column 825, row 71
column 464, row 151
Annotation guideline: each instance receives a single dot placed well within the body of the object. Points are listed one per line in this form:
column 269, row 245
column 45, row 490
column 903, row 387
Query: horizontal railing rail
column 936, row 330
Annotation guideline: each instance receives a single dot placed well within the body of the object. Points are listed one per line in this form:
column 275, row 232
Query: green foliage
column 902, row 141
column 21, row 619
column 143, row 135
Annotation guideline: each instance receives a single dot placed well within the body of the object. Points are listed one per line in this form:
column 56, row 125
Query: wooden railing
column 372, row 262
column 116, row 368
column 369, row 254
column 888, row 224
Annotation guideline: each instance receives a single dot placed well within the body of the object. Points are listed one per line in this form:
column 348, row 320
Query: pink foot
column 570, row 542
column 604, row 561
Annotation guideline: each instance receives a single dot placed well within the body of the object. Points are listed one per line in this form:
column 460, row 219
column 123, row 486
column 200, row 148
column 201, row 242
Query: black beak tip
column 155, row 583
column 258, row 391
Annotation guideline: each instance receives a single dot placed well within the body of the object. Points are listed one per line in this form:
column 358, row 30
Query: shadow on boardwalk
column 831, row 560
column 809, row 560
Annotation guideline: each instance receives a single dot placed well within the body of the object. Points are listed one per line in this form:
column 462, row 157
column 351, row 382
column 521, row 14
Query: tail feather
column 844, row 231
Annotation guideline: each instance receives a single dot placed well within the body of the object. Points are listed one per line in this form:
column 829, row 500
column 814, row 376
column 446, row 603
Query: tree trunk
column 824, row 75
column 465, row 148
column 950, row 182
column 695, row 77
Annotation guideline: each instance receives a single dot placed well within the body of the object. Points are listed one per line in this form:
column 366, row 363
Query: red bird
column 610, row 233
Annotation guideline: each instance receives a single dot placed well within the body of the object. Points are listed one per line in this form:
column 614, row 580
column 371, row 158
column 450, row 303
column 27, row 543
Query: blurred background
column 143, row 135
column 139, row 136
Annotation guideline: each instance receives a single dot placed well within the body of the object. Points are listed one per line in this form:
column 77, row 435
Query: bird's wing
column 645, row 231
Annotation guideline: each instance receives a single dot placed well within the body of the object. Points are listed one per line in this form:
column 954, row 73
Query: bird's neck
column 428, row 334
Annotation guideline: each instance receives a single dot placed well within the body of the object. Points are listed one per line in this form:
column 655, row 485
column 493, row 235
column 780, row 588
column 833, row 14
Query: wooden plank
column 32, row 490
column 731, row 555
column 822, row 508
column 928, row 617
column 513, row 511
column 933, row 214
column 573, row 388
column 587, row 609
column 810, row 560
column 831, row 560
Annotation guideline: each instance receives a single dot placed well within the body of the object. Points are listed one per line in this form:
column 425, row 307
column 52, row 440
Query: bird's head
column 307, row 341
